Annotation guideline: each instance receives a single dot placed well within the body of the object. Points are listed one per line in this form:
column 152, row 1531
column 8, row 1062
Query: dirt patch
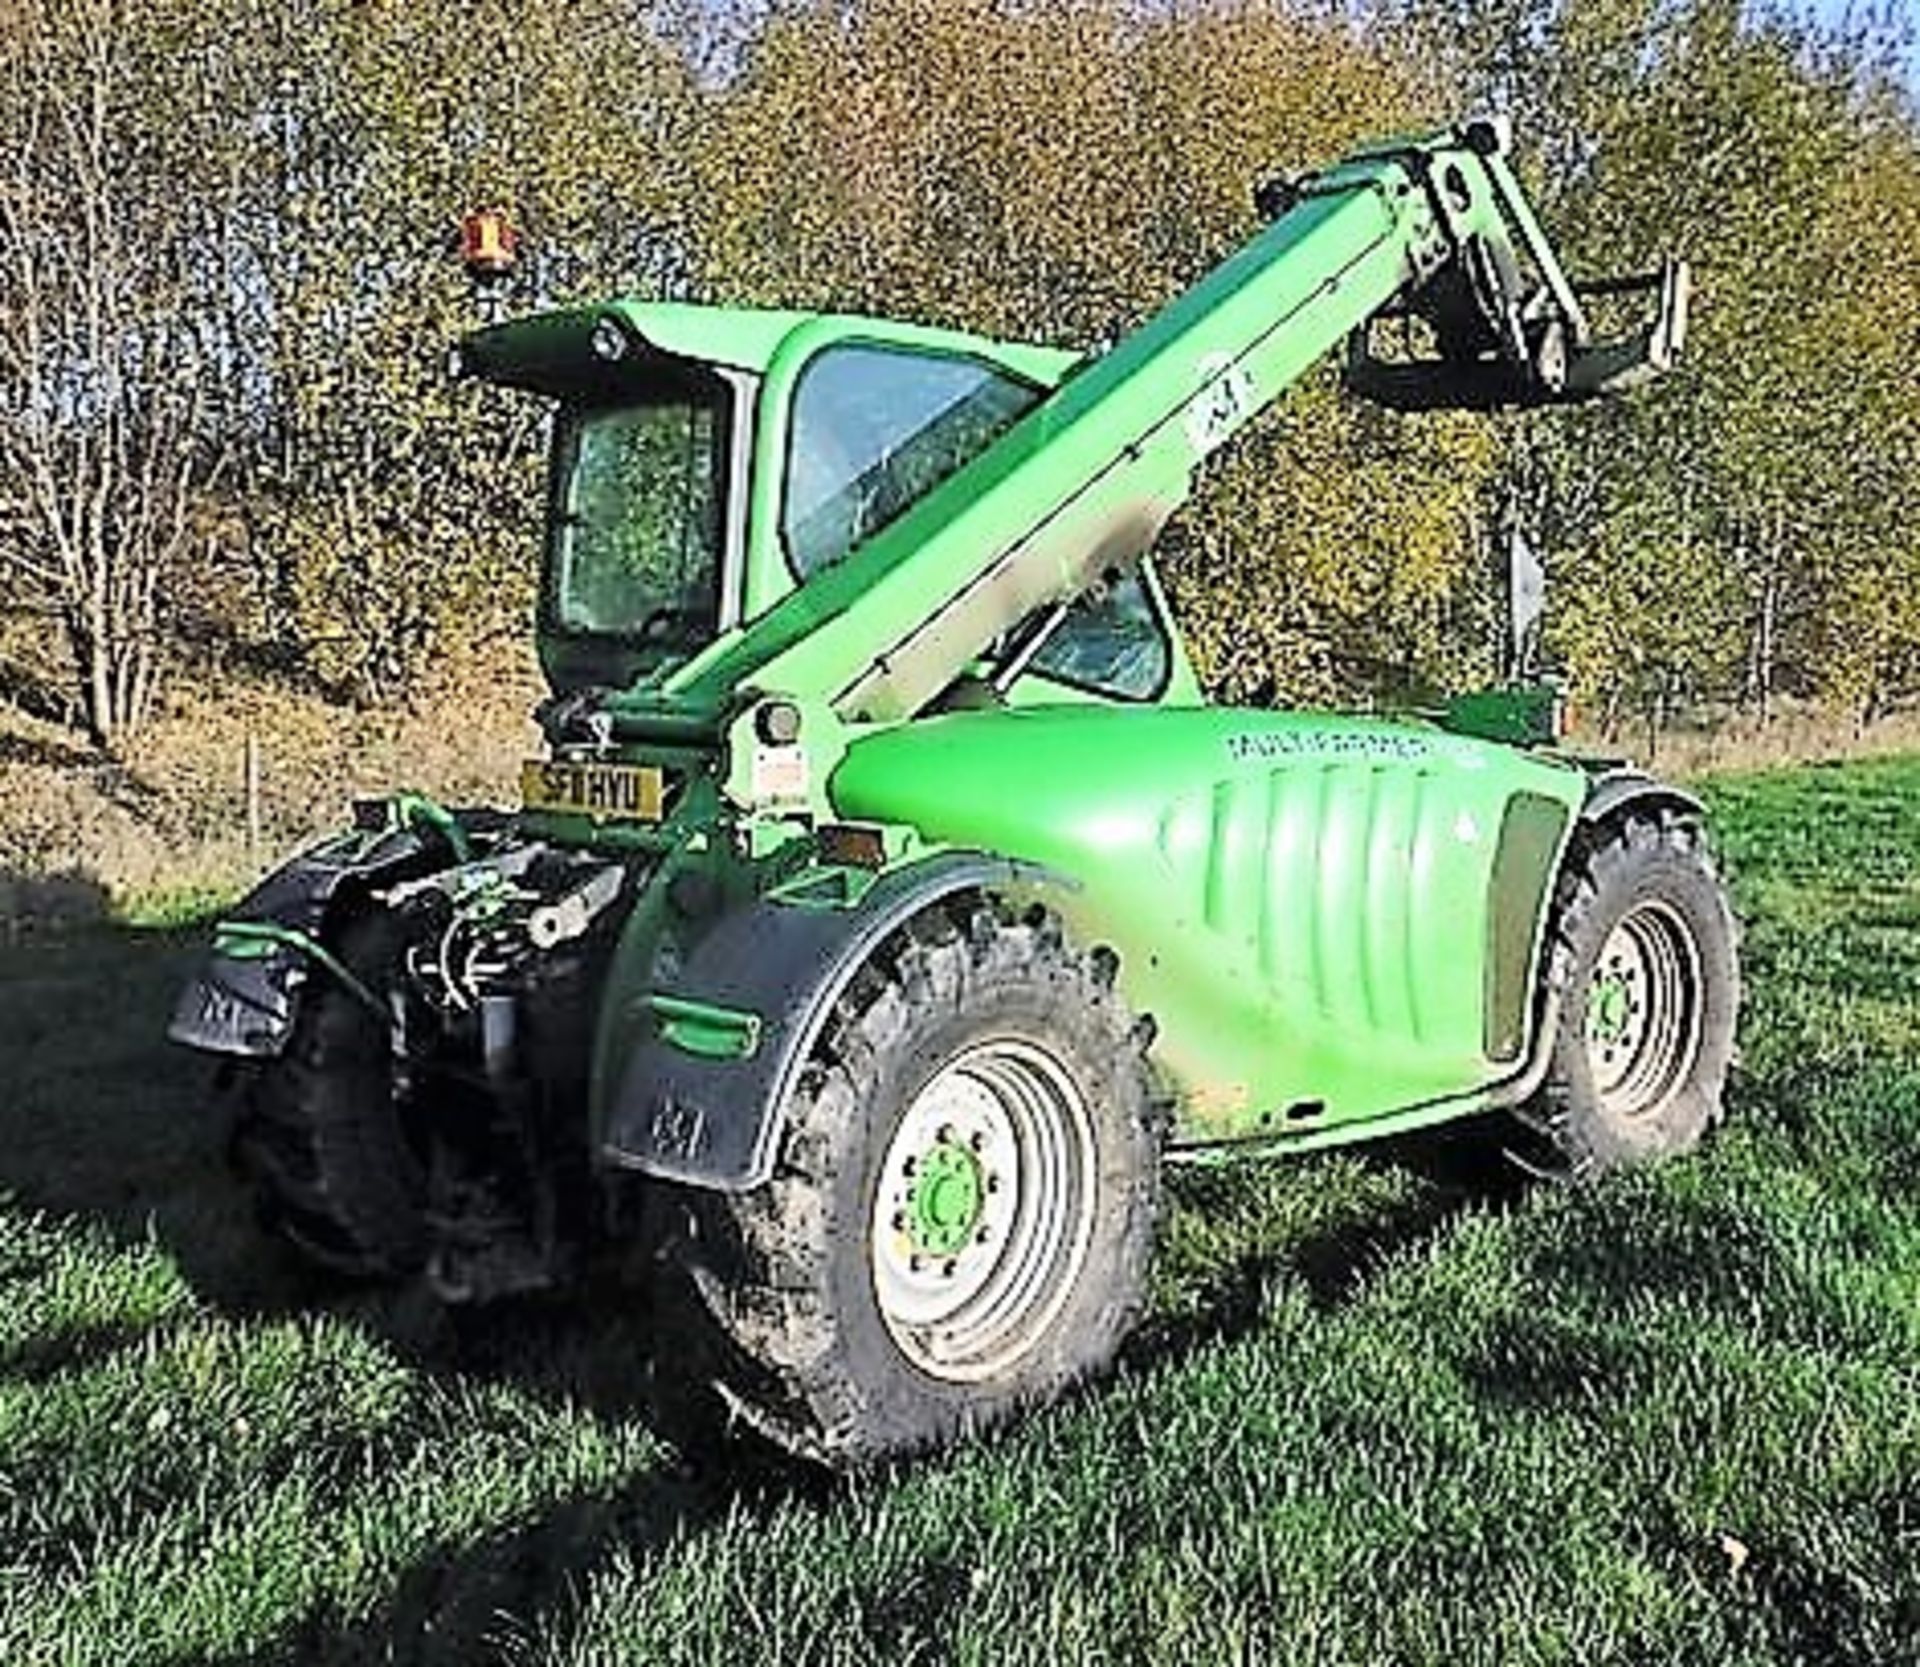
column 169, row 813
column 1796, row 734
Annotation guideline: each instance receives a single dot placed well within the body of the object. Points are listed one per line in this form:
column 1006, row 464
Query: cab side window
column 1112, row 642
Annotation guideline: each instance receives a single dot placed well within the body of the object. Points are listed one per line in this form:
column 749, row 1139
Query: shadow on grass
column 1539, row 1363
column 39, row 1359
column 102, row 1121
column 106, row 1127
column 469, row 1601
column 1419, row 1185
column 38, row 903
column 113, row 1133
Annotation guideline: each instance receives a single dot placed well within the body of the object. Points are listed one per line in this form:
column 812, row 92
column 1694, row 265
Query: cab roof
column 573, row 352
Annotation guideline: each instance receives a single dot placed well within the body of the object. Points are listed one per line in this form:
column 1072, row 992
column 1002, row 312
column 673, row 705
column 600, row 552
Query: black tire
column 1644, row 961
column 319, row 1136
column 785, row 1283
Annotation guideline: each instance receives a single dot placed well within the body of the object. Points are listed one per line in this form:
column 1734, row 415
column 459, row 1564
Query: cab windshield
column 639, row 515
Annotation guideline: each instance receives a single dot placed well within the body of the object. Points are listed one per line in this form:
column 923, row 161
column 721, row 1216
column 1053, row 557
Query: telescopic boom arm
column 1433, row 229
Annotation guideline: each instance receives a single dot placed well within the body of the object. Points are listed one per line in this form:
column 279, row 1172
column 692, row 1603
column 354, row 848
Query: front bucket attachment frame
column 1541, row 360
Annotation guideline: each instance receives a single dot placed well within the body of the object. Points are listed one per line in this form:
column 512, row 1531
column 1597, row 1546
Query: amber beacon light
column 487, row 245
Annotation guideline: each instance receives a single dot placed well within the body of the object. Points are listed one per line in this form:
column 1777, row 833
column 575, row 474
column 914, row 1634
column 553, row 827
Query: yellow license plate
column 606, row 792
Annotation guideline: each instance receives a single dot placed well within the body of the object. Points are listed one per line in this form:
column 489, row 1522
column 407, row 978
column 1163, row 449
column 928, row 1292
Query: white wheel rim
column 969, row 1277
column 1644, row 1017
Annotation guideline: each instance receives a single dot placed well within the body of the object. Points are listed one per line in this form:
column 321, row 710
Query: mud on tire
column 318, row 1134
column 962, row 1216
column 1643, row 958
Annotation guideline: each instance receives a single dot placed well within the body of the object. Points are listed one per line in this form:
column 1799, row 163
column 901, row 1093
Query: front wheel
column 962, row 1218
column 1644, row 963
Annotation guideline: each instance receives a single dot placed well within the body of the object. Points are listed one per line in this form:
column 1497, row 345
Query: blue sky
column 1901, row 11
column 1836, row 11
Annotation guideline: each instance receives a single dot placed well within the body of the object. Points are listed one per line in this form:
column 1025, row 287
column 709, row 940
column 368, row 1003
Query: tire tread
column 761, row 1261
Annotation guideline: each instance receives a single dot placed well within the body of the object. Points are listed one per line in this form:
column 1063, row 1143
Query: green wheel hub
column 1644, row 1009
column 944, row 1203
column 1609, row 1007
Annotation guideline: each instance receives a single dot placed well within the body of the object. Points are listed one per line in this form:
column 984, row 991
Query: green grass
column 1380, row 1415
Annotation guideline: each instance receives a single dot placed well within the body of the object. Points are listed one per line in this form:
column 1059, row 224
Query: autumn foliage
column 227, row 288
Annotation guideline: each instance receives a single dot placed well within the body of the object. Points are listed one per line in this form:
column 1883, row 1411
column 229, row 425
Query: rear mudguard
column 1617, row 789
column 777, row 967
column 246, row 995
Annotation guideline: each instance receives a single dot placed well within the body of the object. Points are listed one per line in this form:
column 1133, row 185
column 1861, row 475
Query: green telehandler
column 890, row 907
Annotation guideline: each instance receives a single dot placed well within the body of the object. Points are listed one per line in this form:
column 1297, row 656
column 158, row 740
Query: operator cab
column 707, row 462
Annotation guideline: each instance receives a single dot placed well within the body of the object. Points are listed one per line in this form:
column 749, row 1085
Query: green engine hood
column 1327, row 917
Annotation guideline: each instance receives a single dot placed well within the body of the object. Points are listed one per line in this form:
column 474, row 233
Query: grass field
column 1381, row 1414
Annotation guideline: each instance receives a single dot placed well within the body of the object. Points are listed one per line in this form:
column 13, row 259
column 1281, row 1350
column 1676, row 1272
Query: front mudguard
column 244, row 1000
column 776, row 967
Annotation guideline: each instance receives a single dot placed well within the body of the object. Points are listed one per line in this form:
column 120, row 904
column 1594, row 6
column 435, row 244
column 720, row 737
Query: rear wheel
column 320, row 1135
column 962, row 1217
column 1644, row 962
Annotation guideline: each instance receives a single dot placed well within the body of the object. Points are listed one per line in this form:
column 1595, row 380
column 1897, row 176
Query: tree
column 387, row 507
column 103, row 447
column 226, row 296
column 1737, row 531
